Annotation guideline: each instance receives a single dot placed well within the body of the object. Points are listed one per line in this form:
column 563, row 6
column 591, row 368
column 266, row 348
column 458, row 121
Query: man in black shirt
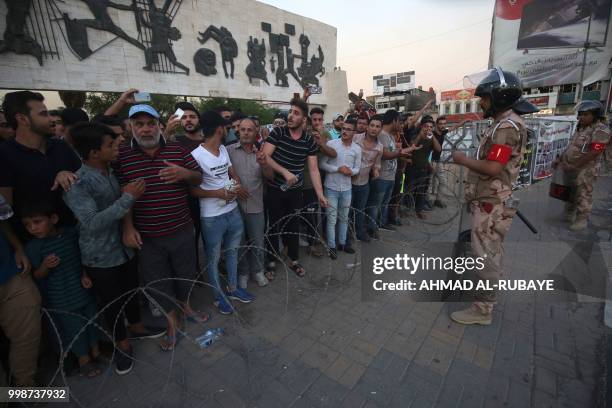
column 417, row 173
column 287, row 150
column 439, row 180
column 191, row 140
column 34, row 166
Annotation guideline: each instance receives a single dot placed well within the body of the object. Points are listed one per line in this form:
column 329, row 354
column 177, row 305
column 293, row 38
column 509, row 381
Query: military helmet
column 590, row 106
column 503, row 87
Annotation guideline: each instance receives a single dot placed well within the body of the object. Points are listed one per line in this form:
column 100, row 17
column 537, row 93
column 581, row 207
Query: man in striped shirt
column 288, row 149
column 159, row 223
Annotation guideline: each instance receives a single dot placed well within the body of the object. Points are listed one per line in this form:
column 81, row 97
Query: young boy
column 56, row 264
column 99, row 204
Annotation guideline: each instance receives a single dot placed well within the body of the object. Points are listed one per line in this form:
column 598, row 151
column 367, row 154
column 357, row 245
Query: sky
column 441, row 40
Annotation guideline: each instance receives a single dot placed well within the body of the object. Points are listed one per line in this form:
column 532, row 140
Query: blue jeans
column 360, row 200
column 225, row 229
column 251, row 254
column 380, row 194
column 339, row 205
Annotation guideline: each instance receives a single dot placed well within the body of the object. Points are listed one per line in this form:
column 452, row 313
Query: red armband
column 500, row 153
column 598, row 147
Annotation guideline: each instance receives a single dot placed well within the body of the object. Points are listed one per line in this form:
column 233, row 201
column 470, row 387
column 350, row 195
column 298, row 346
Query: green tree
column 97, row 102
column 248, row 107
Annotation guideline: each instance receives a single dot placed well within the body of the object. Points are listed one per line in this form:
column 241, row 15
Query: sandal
column 197, row 317
column 298, row 269
column 169, row 342
column 90, row 370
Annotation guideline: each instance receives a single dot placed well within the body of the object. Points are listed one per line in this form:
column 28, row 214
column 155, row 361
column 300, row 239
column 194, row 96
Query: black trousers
column 284, row 208
column 396, row 197
column 417, row 179
column 113, row 287
column 311, row 216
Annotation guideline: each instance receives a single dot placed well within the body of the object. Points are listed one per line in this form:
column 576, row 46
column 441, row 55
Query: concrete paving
column 314, row 342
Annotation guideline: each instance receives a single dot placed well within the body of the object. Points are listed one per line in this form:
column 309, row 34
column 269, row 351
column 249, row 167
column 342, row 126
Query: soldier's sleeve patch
column 598, row 147
column 500, row 153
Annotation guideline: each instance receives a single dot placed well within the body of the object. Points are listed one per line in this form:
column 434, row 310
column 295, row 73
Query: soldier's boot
column 579, row 225
column 472, row 315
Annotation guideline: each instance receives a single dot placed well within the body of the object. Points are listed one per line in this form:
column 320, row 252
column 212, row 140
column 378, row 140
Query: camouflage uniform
column 582, row 179
column 488, row 198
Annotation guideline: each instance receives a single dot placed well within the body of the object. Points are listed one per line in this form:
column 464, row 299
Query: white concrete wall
column 336, row 100
column 118, row 66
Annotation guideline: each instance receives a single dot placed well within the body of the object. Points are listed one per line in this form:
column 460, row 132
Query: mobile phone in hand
column 179, row 113
column 140, row 97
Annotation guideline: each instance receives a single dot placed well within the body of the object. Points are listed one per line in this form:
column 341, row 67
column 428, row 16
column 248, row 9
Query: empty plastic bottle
column 209, row 337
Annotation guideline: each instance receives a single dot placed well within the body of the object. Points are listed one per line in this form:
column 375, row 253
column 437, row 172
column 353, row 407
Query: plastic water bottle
column 230, row 187
column 285, row 186
column 209, row 337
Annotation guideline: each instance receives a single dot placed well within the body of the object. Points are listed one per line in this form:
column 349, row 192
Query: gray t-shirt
column 388, row 167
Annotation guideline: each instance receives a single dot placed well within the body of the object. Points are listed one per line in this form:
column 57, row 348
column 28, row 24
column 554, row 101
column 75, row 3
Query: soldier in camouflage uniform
column 488, row 189
column 581, row 159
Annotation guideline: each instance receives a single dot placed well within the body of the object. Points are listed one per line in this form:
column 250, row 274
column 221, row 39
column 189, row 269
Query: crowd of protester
column 94, row 208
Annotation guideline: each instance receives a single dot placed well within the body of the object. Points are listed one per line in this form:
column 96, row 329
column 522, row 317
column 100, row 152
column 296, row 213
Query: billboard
column 400, row 81
column 193, row 48
column 542, row 40
column 457, row 95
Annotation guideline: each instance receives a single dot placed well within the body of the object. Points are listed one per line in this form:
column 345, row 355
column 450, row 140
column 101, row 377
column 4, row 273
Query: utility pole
column 584, row 58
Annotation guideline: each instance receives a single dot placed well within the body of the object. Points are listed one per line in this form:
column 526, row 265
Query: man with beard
column 190, row 121
column 159, row 223
column 417, row 173
column 34, row 166
column 288, row 150
column 362, row 123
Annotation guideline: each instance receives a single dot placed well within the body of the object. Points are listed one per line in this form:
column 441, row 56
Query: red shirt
column 163, row 208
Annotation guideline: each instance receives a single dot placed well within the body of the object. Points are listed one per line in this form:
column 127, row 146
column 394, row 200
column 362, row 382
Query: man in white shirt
column 338, row 186
column 220, row 216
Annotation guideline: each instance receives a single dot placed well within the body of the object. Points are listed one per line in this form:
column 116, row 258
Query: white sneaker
column 261, row 279
column 243, row 281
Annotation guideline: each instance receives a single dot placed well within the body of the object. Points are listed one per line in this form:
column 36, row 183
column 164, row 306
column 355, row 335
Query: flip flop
column 198, row 317
column 172, row 340
column 298, row 269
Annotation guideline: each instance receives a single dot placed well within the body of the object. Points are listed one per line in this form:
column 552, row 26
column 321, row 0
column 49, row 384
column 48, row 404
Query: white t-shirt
column 214, row 176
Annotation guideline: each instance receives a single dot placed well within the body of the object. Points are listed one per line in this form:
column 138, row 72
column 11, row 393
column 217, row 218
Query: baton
column 526, row 222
